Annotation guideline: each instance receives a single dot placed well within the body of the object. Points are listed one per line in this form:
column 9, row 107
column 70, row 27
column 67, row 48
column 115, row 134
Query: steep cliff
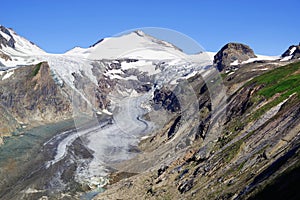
column 29, row 97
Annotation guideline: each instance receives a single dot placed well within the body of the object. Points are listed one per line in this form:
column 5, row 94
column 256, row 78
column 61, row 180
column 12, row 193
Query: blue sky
column 269, row 27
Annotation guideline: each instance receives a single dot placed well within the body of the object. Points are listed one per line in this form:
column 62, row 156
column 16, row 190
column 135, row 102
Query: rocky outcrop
column 3, row 41
column 293, row 52
column 29, row 96
column 165, row 98
column 232, row 52
column 5, row 57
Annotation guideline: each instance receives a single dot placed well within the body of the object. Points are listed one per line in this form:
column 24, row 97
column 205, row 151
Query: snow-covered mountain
column 123, row 58
column 293, row 52
column 148, row 51
column 16, row 50
column 136, row 45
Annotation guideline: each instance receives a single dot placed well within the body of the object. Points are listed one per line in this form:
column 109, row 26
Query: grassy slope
column 283, row 80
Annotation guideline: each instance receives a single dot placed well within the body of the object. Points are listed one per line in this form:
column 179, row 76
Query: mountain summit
column 293, row 52
column 136, row 44
column 231, row 53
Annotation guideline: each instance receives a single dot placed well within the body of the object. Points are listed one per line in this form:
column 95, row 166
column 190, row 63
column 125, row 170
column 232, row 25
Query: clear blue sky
column 269, row 27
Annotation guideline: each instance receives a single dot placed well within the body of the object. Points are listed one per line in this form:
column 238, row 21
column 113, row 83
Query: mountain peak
column 293, row 52
column 12, row 43
column 136, row 44
column 140, row 33
column 232, row 52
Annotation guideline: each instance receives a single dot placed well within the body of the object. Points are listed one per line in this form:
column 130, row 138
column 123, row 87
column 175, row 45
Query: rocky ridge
column 293, row 52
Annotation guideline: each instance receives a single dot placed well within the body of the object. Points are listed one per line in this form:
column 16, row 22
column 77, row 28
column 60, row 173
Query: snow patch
column 132, row 77
column 287, row 58
column 8, row 74
column 292, row 50
column 32, row 191
column 263, row 69
column 236, row 62
column 142, row 65
column 106, row 112
column 260, row 58
column 115, row 76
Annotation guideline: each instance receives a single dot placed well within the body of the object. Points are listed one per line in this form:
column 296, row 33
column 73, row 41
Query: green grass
column 276, row 75
column 223, row 75
column 280, row 80
column 283, row 80
column 36, row 69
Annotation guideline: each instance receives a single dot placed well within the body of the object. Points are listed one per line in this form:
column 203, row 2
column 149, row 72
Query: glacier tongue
column 112, row 143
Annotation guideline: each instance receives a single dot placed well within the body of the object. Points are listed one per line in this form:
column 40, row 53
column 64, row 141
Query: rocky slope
column 255, row 151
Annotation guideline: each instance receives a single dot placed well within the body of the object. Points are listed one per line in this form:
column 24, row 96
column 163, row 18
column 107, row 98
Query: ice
column 64, row 66
column 62, row 148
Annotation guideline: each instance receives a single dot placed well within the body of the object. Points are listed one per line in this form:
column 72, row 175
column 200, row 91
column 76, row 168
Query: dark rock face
column 3, row 42
column 174, row 127
column 162, row 169
column 105, row 86
column 186, row 186
column 241, row 101
column 166, row 99
column 293, row 51
column 232, row 52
